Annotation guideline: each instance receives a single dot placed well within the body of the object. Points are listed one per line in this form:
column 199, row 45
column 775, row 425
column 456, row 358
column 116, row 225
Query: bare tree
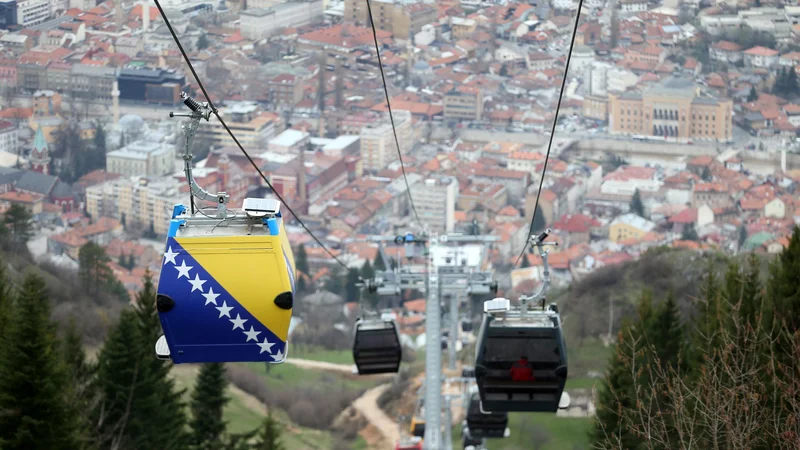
column 742, row 398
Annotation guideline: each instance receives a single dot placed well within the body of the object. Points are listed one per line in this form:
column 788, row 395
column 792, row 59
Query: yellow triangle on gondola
column 253, row 269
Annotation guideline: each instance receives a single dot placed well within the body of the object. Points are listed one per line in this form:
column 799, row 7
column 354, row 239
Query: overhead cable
column 391, row 117
column 531, row 231
column 238, row 144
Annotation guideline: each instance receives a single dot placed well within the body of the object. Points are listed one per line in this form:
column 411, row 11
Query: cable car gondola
column 484, row 424
column 414, row 443
column 468, row 441
column 417, row 427
column 226, row 290
column 227, row 281
column 466, row 326
column 521, row 359
column 376, row 346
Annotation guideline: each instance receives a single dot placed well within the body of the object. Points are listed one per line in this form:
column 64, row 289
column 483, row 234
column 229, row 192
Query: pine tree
column 753, row 95
column 130, row 402
column 131, row 262
column 525, row 262
column 94, row 272
column 301, row 265
column 783, row 291
column 202, row 42
column 34, row 383
column 18, row 222
column 637, row 207
column 378, row 264
column 81, row 374
column 616, row 396
column 6, row 304
column 170, row 419
column 351, row 290
column 208, row 402
column 689, row 233
column 539, row 222
column 270, row 436
column 742, row 235
column 122, row 261
column 666, row 333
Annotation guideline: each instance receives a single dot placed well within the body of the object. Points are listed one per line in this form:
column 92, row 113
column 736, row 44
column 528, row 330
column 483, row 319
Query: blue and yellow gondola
column 227, row 285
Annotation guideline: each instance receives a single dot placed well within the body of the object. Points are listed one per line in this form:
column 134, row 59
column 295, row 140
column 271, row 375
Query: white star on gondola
column 224, row 310
column 252, row 335
column 169, row 256
column 238, row 322
column 197, row 283
column 183, row 269
column 266, row 346
column 277, row 356
column 211, row 297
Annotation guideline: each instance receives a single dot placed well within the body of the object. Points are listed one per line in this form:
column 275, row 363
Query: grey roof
column 36, row 182
column 62, row 190
column 94, row 71
column 674, row 87
column 9, row 175
column 754, row 116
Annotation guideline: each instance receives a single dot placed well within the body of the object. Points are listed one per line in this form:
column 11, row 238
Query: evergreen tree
column 351, row 290
column 301, row 265
column 94, row 272
column 666, row 333
column 753, row 95
column 170, row 419
column 525, row 262
column 130, row 403
column 131, row 262
column 742, row 235
column 202, row 42
column 208, row 402
column 784, row 294
column 270, row 436
column 81, row 374
column 34, row 383
column 706, row 174
column 539, row 221
column 335, row 283
column 637, row 207
column 6, row 305
column 689, row 233
column 368, row 273
column 18, row 222
column 122, row 261
column 378, row 264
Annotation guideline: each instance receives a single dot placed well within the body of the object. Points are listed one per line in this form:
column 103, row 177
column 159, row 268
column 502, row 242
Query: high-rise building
column 435, row 200
column 378, row 148
column 402, row 19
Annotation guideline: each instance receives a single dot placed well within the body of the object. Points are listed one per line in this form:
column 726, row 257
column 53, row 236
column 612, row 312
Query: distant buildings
column 675, row 108
column 257, row 24
column 629, row 226
column 402, row 19
column 378, row 148
column 253, row 127
column 465, row 102
column 142, row 158
column 435, row 199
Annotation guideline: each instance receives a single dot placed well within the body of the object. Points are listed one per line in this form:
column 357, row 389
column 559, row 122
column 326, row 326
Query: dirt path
column 367, row 406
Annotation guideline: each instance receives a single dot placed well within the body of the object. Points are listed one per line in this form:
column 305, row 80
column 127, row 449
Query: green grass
column 562, row 433
column 289, row 375
column 320, row 354
column 242, row 418
column 581, row 383
column 359, row 444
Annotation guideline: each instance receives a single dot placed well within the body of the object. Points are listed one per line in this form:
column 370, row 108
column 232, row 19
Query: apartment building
column 401, row 19
column 260, row 23
column 135, row 201
column 435, row 200
column 465, row 102
column 378, row 148
column 151, row 159
column 253, row 127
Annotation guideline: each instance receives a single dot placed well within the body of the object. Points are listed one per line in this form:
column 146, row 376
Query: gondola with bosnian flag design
column 227, row 282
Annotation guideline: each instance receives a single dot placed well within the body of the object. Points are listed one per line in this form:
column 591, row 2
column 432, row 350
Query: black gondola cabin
column 376, row 346
column 521, row 359
column 485, row 424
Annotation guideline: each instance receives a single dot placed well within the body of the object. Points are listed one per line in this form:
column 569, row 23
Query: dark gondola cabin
column 485, row 424
column 376, row 346
column 468, row 441
column 466, row 326
column 521, row 360
column 417, row 427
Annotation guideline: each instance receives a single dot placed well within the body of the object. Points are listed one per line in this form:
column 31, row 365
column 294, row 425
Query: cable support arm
column 199, row 111
column 541, row 293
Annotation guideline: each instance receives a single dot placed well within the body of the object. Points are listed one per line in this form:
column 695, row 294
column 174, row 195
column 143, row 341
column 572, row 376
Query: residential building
column 258, row 24
column 465, row 102
column 435, row 200
column 9, row 137
column 135, row 201
column 32, row 12
column 378, row 148
column 714, row 195
column 402, row 19
column 253, row 127
column 761, row 57
column 629, row 226
column 726, row 51
column 142, row 158
column 289, row 142
column 675, row 108
column 92, row 82
column 462, row 28
column 286, row 89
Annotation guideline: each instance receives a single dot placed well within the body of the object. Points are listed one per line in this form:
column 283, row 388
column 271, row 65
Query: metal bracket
column 541, row 293
column 199, row 111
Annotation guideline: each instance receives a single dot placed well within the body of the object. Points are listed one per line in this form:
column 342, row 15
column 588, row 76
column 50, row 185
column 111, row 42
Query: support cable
column 238, row 144
column 550, row 144
column 391, row 117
